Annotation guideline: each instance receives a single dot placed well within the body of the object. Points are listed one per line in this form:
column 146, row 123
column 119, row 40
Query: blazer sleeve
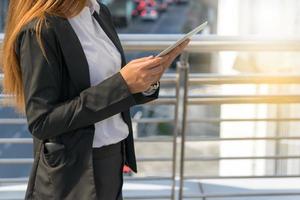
column 47, row 116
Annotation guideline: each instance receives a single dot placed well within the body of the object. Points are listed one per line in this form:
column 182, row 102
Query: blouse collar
column 94, row 6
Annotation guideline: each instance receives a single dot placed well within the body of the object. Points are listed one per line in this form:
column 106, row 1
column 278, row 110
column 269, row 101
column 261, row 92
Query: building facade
column 3, row 10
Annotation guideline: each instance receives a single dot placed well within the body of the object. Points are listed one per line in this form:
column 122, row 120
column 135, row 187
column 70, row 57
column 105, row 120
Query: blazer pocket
column 54, row 158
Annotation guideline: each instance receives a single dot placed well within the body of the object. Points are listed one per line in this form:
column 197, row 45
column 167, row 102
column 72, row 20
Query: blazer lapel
column 73, row 53
column 102, row 19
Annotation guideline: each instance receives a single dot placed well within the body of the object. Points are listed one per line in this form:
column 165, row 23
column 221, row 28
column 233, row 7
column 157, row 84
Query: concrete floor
column 215, row 189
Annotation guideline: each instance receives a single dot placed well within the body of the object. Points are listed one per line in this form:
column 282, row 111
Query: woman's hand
column 172, row 55
column 140, row 73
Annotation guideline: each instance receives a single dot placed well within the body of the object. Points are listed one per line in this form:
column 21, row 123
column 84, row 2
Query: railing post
column 183, row 66
column 175, row 134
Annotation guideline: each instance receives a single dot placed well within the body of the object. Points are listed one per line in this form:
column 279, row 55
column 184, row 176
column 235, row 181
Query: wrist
column 151, row 90
column 126, row 82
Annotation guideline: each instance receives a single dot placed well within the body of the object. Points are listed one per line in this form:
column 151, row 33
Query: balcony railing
column 181, row 81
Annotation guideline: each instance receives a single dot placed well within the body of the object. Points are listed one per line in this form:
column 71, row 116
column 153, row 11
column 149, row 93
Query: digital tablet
column 178, row 42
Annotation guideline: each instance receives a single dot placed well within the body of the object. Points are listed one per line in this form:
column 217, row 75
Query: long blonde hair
column 20, row 13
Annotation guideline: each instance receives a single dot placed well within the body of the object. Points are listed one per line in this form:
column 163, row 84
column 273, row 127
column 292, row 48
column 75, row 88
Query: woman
column 65, row 65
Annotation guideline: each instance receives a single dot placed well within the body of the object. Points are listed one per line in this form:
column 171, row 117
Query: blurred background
column 226, row 125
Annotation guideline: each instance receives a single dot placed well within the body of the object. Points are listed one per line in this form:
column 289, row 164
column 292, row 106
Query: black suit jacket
column 62, row 106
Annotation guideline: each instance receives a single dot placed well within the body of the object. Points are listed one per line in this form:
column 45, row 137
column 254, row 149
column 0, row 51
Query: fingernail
column 150, row 56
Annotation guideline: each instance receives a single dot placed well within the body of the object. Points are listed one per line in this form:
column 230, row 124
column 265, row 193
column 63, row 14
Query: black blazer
column 62, row 106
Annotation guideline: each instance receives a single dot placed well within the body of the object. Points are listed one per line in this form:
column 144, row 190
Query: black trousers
column 108, row 171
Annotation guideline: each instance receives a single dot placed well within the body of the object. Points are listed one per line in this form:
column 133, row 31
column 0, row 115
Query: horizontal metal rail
column 221, row 195
column 163, row 100
column 194, row 177
column 217, row 79
column 244, row 99
column 14, row 121
column 165, row 159
column 188, row 177
column 243, row 194
column 166, row 139
column 215, row 158
column 128, row 178
column 211, row 43
column 16, row 161
column 147, row 178
column 166, row 78
column 139, row 197
column 153, row 120
column 207, row 139
column 160, row 101
column 207, row 43
column 219, row 120
column 21, row 121
column 13, row 180
column 30, row 140
column 16, row 141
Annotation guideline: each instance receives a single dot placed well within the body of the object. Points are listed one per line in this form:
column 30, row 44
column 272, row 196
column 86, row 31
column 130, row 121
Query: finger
column 181, row 48
column 173, row 56
column 151, row 63
column 175, row 53
column 142, row 59
column 183, row 45
column 187, row 41
column 155, row 70
column 164, row 59
column 178, row 49
column 168, row 62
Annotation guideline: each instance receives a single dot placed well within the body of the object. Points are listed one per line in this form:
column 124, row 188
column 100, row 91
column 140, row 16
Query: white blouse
column 104, row 60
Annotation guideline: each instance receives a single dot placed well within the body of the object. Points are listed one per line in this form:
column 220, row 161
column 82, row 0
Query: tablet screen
column 187, row 36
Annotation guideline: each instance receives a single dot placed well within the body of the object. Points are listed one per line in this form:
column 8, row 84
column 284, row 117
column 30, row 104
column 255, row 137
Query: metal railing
column 237, row 99
column 182, row 80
